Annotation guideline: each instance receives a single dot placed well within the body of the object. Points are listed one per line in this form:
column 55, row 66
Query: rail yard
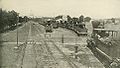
column 59, row 34
column 57, row 45
column 38, row 49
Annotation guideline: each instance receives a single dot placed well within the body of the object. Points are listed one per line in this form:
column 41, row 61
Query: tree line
column 10, row 19
column 79, row 19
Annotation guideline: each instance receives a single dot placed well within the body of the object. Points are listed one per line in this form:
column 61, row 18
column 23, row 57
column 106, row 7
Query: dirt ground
column 9, row 56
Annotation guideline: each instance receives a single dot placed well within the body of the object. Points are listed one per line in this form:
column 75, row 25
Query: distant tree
column 113, row 20
column 21, row 19
column 75, row 20
column 81, row 19
column 69, row 18
column 25, row 18
column 0, row 14
column 95, row 23
column 0, row 19
column 7, row 19
column 87, row 19
column 58, row 17
column 13, row 17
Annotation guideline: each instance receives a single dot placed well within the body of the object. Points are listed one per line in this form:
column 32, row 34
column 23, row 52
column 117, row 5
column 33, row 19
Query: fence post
column 62, row 38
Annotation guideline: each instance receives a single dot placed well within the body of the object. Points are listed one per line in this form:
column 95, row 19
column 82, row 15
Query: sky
column 94, row 8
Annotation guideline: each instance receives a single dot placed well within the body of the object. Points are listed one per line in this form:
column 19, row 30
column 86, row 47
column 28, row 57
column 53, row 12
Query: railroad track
column 21, row 51
column 55, row 47
column 47, row 51
column 45, row 48
column 69, row 61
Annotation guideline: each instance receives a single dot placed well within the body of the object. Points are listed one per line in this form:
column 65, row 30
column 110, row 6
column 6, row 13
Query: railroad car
column 70, row 26
column 80, row 29
column 74, row 25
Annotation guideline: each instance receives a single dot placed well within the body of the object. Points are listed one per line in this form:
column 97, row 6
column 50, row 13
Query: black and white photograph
column 59, row 33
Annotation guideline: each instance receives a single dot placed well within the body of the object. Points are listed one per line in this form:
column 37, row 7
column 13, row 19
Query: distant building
column 62, row 18
column 47, row 18
column 116, row 20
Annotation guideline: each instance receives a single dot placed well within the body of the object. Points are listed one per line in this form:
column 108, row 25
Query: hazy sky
column 92, row 8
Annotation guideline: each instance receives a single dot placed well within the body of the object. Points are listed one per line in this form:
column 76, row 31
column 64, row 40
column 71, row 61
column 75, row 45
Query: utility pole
column 62, row 38
column 26, row 19
column 76, row 51
column 17, row 28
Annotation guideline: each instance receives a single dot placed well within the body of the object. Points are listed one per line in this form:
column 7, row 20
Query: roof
column 97, row 29
column 81, row 24
column 59, row 19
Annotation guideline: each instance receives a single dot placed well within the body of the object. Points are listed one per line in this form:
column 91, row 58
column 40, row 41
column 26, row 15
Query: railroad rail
column 69, row 61
column 21, row 50
column 45, row 47
column 30, row 43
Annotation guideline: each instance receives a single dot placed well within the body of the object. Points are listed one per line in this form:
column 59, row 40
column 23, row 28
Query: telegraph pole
column 76, row 48
column 17, row 28
column 62, row 38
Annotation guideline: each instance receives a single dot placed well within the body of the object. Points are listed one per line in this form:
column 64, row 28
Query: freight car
column 70, row 26
column 80, row 29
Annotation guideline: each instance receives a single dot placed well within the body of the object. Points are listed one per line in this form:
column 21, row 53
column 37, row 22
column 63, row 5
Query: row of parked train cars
column 78, row 28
